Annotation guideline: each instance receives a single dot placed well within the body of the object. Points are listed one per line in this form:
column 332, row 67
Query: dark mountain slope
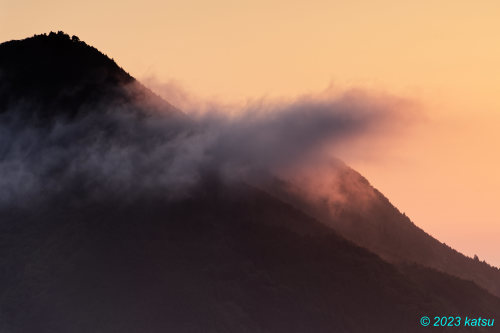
column 230, row 258
column 48, row 75
column 347, row 202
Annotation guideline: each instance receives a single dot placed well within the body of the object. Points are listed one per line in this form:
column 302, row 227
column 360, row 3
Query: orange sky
column 443, row 54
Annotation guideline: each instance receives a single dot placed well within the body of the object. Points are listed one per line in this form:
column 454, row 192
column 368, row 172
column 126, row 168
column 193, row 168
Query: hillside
column 56, row 74
column 227, row 259
column 345, row 201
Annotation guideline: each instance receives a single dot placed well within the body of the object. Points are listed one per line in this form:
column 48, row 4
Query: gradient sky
column 445, row 55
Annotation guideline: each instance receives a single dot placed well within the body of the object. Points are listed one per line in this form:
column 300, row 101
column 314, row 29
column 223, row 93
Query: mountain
column 347, row 202
column 229, row 258
column 49, row 75
column 104, row 229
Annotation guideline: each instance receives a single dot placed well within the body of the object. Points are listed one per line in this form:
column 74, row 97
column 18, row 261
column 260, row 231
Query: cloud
column 127, row 154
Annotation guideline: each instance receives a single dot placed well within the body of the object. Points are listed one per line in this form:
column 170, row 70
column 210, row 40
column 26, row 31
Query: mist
column 115, row 150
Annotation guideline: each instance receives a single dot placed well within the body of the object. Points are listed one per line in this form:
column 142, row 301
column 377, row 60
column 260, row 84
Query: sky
column 443, row 56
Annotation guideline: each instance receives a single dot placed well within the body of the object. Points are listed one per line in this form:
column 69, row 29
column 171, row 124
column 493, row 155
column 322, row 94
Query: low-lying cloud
column 116, row 151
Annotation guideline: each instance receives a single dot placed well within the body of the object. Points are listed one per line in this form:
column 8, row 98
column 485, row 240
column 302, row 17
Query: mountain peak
column 57, row 74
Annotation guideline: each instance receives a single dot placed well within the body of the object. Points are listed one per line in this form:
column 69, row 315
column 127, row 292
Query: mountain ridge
column 55, row 74
column 379, row 225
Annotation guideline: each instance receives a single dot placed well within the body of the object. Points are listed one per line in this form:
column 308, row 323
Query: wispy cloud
column 140, row 154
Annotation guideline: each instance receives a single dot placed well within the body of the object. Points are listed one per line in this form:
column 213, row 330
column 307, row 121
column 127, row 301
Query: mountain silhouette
column 102, row 231
column 359, row 212
column 58, row 75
